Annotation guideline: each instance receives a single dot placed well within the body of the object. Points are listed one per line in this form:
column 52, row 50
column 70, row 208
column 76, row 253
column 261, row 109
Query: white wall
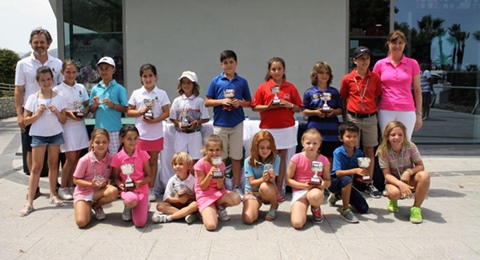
column 190, row 35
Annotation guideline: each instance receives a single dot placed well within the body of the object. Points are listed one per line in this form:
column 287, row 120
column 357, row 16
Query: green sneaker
column 332, row 199
column 348, row 216
column 416, row 215
column 392, row 206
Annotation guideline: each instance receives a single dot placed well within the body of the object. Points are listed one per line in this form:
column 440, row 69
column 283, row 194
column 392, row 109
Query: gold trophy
column 363, row 162
column 316, row 167
column 217, row 161
column 275, row 90
column 128, row 169
column 326, row 97
column 149, row 104
column 228, row 93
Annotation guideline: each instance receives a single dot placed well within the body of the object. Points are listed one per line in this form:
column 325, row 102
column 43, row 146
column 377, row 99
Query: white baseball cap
column 189, row 75
column 106, row 60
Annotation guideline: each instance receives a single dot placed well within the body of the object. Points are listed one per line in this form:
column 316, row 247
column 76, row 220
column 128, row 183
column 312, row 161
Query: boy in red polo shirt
column 360, row 91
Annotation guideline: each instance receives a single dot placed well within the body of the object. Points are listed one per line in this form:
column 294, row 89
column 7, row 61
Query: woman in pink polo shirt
column 398, row 73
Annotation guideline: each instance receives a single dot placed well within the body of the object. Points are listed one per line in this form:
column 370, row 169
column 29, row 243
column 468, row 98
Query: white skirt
column 285, row 138
column 75, row 136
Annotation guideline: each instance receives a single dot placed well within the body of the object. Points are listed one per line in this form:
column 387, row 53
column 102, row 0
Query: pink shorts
column 151, row 145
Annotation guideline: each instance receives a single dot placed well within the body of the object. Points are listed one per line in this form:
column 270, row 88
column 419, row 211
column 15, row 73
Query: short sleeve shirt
column 105, row 116
column 71, row 95
column 138, row 159
column 257, row 172
column 193, row 105
column 353, row 87
column 174, row 182
column 343, row 161
column 303, row 171
column 398, row 163
column 47, row 124
column 87, row 168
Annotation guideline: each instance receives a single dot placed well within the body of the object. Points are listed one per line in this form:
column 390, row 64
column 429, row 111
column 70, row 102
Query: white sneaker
column 159, row 217
column 222, row 213
column 190, row 218
column 71, row 190
column 127, row 214
column 151, row 195
column 99, row 213
column 64, row 194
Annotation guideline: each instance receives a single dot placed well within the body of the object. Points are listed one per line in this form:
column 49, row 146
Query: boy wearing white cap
column 188, row 113
column 108, row 100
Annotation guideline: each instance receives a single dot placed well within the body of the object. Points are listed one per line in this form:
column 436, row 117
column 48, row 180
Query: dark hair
column 123, row 132
column 69, row 62
column 347, row 126
column 43, row 70
column 270, row 62
column 318, row 67
column 195, row 91
column 148, row 66
column 40, row 30
column 227, row 54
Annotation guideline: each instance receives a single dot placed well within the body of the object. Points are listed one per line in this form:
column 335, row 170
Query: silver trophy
column 275, row 90
column 180, row 189
column 363, row 162
column 316, row 167
column 128, row 169
column 149, row 104
column 326, row 97
column 267, row 168
column 78, row 109
column 217, row 161
column 228, row 93
column 184, row 119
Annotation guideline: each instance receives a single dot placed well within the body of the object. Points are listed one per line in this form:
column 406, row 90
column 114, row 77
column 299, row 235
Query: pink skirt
column 151, row 145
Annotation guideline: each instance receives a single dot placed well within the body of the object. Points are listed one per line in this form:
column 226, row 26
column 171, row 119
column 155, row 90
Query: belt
column 191, row 131
column 361, row 115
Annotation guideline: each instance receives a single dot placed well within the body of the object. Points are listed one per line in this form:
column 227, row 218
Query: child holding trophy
column 277, row 101
column 92, row 177
column 210, row 192
column 150, row 106
column 131, row 173
column 348, row 162
column 261, row 168
column 188, row 113
column 322, row 104
column 403, row 169
column 74, row 130
column 308, row 175
column 179, row 198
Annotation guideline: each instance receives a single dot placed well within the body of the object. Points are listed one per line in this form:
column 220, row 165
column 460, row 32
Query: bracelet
column 409, row 170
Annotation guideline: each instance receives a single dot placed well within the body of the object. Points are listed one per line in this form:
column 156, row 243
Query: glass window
column 93, row 29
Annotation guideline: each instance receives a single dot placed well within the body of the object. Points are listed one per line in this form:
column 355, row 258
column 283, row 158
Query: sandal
column 271, row 215
column 55, row 201
column 280, row 198
column 25, row 212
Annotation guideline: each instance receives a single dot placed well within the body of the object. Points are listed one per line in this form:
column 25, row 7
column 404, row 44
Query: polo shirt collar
column 154, row 90
column 344, row 151
column 191, row 97
column 356, row 75
column 92, row 158
column 234, row 77
column 402, row 60
column 111, row 83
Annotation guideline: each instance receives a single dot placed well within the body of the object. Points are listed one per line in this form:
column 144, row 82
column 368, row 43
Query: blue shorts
column 38, row 141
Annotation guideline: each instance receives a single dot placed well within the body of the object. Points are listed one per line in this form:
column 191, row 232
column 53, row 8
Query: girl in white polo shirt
column 150, row 105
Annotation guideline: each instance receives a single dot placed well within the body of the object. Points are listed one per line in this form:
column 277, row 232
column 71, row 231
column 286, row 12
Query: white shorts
column 285, row 138
column 88, row 197
column 190, row 143
column 298, row 194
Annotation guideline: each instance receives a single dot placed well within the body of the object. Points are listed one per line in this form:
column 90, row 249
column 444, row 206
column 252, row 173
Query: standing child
column 324, row 121
column 149, row 105
column 403, row 169
column 128, row 156
column 345, row 166
column 228, row 112
column 212, row 197
column 360, row 90
column 188, row 113
column 45, row 111
column 179, row 198
column 74, row 130
column 299, row 175
column 260, row 184
column 92, row 177
column 276, row 112
column 108, row 100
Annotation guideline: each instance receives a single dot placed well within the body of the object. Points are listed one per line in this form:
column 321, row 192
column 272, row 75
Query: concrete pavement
column 449, row 231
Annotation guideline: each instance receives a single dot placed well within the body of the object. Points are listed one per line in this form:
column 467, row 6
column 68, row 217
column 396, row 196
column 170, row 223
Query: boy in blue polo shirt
column 108, row 100
column 344, row 167
column 228, row 93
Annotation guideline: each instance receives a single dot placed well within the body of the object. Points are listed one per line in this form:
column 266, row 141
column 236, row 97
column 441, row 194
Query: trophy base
column 326, row 111
column 129, row 186
column 78, row 114
column 148, row 115
column 315, row 182
column 276, row 102
column 217, row 174
column 362, row 178
column 229, row 108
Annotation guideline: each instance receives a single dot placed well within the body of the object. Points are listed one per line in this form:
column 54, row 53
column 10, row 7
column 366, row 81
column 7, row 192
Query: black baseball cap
column 359, row 51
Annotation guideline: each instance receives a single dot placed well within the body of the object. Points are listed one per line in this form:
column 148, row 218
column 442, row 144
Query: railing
column 442, row 87
column 4, row 87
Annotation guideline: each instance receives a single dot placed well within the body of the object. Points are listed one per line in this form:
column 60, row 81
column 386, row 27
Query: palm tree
column 430, row 28
column 459, row 46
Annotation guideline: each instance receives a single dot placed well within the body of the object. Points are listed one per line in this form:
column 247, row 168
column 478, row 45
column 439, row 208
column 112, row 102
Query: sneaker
column 332, row 199
column 159, row 217
column 392, row 206
column 127, row 214
column 416, row 215
column 317, row 216
column 71, row 190
column 151, row 195
column 65, row 194
column 238, row 191
column 222, row 213
column 190, row 218
column 373, row 191
column 99, row 213
column 348, row 216
column 384, row 193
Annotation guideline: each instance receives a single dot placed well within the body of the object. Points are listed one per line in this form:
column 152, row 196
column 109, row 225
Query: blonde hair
column 311, row 132
column 182, row 157
column 95, row 133
column 211, row 139
column 385, row 145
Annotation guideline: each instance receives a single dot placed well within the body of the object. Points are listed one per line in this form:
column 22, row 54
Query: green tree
column 429, row 28
column 459, row 45
column 8, row 60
